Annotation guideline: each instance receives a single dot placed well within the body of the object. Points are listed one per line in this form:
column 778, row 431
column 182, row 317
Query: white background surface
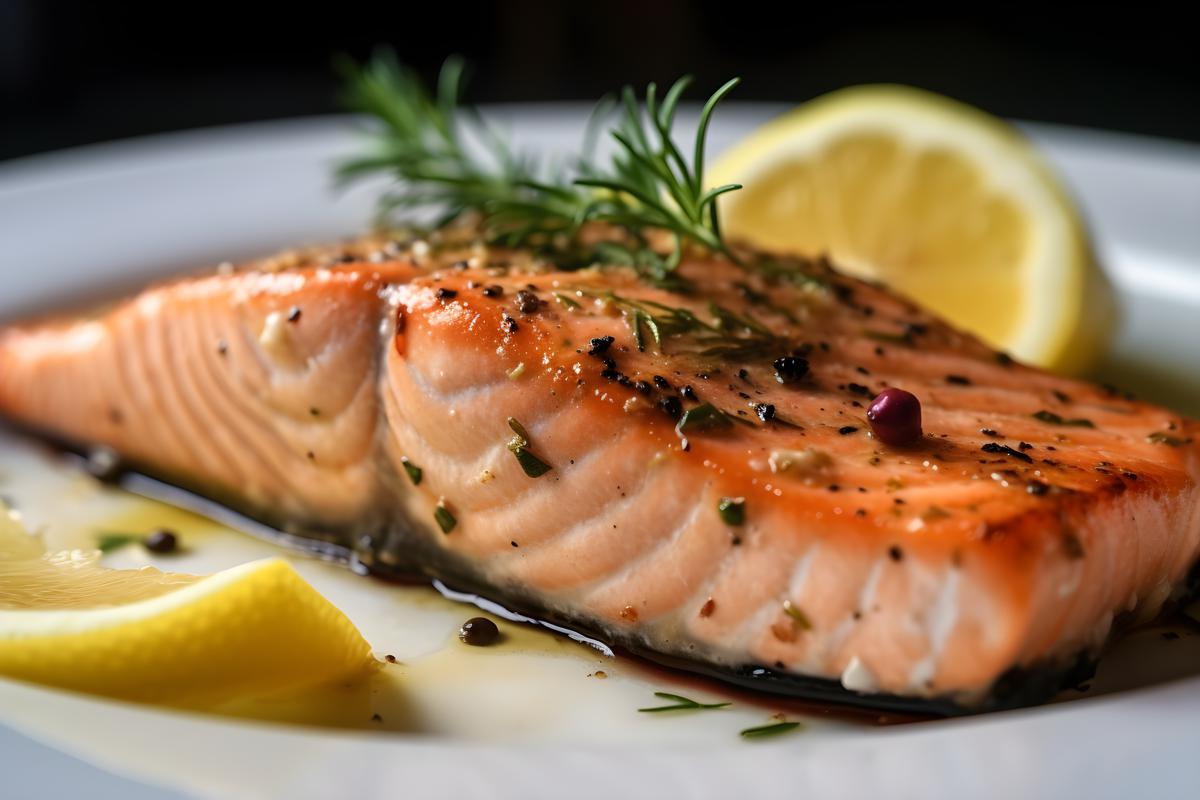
column 81, row 221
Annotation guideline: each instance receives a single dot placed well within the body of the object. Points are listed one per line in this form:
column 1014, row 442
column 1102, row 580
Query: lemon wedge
column 944, row 203
column 154, row 636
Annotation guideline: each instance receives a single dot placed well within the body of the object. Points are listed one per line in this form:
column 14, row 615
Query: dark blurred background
column 74, row 72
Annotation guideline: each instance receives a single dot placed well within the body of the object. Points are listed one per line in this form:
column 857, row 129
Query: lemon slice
column 161, row 637
column 944, row 203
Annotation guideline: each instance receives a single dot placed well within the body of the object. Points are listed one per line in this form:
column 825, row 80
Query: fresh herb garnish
column 798, row 617
column 1005, row 450
column 1050, row 418
column 519, row 446
column 732, row 510
column 444, row 518
column 567, row 302
column 681, row 703
column 108, row 542
column 729, row 335
column 429, row 144
column 412, row 470
column 704, row 417
column 1158, row 437
column 893, row 338
column 769, row 730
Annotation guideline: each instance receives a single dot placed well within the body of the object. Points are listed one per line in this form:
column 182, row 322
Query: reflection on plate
column 537, row 691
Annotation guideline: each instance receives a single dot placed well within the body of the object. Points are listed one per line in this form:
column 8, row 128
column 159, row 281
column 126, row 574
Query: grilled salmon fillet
column 629, row 459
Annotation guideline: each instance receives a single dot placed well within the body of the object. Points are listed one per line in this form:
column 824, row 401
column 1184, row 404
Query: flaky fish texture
column 632, row 460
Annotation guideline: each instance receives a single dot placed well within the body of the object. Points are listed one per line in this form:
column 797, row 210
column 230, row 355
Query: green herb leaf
column 769, row 730
column 1158, row 437
column 519, row 430
column 681, row 703
column 704, row 417
column 798, row 617
column 108, row 542
column 1050, row 418
column 412, row 470
column 533, row 466
column 732, row 510
column 893, row 338
column 567, row 302
column 730, row 336
column 444, row 518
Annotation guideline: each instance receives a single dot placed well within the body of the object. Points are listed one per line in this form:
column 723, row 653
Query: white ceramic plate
column 76, row 223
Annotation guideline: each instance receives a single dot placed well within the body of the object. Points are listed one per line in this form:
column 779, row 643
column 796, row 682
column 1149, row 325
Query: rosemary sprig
column 680, row 703
column 444, row 156
column 774, row 729
column 728, row 335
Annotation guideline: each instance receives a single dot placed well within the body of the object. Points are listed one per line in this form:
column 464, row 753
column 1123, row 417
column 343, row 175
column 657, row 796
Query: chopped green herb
column 534, row 467
column 519, row 430
column 568, row 303
column 445, row 519
column 108, row 542
column 769, row 730
column 732, row 510
column 412, row 470
column 894, row 338
column 1050, row 418
column 798, row 617
column 729, row 336
column 704, row 417
column 519, row 446
column 1158, row 437
column 681, row 704
column 636, row 320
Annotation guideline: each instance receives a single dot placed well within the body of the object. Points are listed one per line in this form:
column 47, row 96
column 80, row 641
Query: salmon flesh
column 630, row 460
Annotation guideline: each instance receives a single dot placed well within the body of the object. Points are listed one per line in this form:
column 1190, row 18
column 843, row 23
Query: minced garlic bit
column 808, row 462
column 274, row 337
column 658, row 458
column 857, row 678
column 516, row 371
column 420, row 249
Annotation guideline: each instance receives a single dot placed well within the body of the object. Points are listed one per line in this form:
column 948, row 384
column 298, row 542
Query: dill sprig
column 443, row 156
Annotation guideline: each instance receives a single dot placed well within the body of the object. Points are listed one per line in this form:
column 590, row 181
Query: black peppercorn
column 479, row 631
column 671, row 407
column 528, row 302
column 161, row 541
column 789, row 369
column 600, row 345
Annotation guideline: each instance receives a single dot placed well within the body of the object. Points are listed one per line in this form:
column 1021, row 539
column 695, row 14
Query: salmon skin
column 636, row 461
